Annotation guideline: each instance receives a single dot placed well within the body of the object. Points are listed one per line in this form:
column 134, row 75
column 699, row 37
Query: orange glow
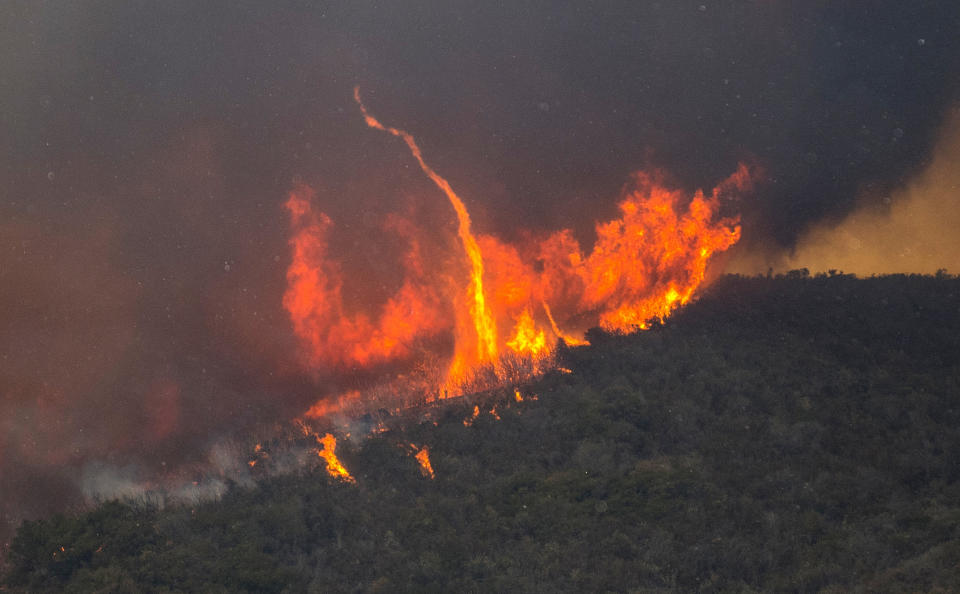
column 328, row 453
column 324, row 407
column 423, row 457
column 497, row 310
column 517, row 396
column 469, row 420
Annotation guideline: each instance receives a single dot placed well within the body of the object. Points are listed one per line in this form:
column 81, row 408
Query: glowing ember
column 259, row 453
column 328, row 453
column 502, row 307
column 423, row 457
column 517, row 396
column 469, row 420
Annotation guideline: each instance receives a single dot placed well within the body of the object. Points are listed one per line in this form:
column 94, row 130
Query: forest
column 791, row 433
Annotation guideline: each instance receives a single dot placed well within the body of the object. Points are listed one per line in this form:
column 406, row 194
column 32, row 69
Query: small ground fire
column 423, row 458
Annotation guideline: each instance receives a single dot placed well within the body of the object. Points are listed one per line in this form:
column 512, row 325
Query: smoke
column 225, row 464
column 913, row 229
column 146, row 151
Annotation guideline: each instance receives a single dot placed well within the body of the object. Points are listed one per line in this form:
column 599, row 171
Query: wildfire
column 328, row 453
column 503, row 307
column 423, row 457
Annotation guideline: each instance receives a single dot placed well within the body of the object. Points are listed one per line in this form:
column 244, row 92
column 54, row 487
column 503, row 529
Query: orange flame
column 328, row 453
column 423, row 457
column 527, row 339
column 511, row 303
column 314, row 299
column 484, row 328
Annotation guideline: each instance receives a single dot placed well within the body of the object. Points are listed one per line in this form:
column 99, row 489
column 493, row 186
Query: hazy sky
column 146, row 149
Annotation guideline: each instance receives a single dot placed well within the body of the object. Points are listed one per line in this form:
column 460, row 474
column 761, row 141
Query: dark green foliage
column 790, row 434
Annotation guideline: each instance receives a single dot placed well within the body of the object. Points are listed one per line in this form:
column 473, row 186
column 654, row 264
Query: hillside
column 780, row 434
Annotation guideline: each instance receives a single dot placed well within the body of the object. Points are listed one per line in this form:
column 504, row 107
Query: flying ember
column 502, row 308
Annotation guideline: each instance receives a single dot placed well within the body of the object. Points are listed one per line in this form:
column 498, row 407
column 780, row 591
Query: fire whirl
column 485, row 330
column 503, row 307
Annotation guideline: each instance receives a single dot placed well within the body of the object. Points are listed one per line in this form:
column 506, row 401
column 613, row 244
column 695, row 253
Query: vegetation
column 781, row 434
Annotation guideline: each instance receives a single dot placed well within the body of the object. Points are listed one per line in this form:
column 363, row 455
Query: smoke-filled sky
column 147, row 148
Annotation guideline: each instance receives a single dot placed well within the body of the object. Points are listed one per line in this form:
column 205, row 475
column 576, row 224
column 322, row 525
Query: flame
column 328, row 453
column 516, row 395
column 651, row 260
column 527, row 339
column 314, row 299
column 567, row 338
column 485, row 330
column 423, row 457
column 503, row 307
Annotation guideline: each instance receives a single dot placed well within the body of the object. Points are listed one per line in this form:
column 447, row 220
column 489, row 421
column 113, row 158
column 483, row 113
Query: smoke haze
column 913, row 229
column 147, row 149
